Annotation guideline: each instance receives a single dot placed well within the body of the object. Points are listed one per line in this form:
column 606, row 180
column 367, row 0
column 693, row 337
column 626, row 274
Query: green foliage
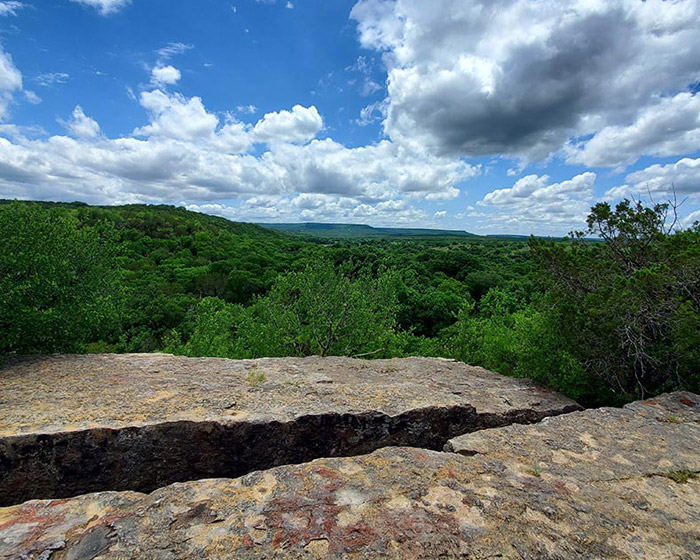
column 681, row 477
column 210, row 330
column 56, row 284
column 506, row 335
column 599, row 321
column 318, row 311
column 322, row 310
column 628, row 308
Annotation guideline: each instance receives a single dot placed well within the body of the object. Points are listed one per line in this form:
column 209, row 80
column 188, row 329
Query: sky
column 490, row 116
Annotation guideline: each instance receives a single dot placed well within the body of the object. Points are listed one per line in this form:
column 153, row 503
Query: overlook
column 333, row 457
column 363, row 279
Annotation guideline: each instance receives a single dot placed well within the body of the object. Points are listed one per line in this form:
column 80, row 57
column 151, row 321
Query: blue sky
column 512, row 116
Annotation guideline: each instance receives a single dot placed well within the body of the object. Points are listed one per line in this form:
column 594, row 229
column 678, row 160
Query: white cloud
column 10, row 8
column 317, row 208
column 376, row 172
column 670, row 127
column 661, row 181
column 51, row 78
column 10, row 76
column 535, row 201
column 105, row 7
column 299, row 125
column 365, row 68
column 690, row 220
column 165, row 75
column 32, row 97
column 188, row 153
column 247, row 109
column 523, row 77
column 81, row 126
column 372, row 113
column 10, row 82
column 172, row 49
column 176, row 116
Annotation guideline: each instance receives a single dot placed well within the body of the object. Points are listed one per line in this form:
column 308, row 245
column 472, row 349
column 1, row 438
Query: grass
column 681, row 477
column 534, row 471
column 255, row 378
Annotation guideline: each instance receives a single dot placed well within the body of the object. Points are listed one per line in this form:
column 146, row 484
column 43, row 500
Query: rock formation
column 606, row 483
column 76, row 424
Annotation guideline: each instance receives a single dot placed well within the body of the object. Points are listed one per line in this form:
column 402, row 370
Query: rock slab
column 600, row 484
column 71, row 425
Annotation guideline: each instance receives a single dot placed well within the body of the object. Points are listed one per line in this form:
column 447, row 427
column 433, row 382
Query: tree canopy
column 607, row 315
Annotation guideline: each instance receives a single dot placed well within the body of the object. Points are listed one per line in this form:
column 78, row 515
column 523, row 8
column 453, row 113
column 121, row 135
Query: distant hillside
column 158, row 220
column 357, row 231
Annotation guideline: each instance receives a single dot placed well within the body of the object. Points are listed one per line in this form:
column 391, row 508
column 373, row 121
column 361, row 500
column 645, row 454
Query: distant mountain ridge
column 344, row 231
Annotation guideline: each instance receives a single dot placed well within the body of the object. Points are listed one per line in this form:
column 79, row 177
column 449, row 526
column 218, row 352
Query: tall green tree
column 56, row 282
column 317, row 311
column 323, row 311
column 629, row 307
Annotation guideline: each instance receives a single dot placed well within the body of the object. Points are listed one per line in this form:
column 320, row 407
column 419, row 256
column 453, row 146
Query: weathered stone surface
column 76, row 424
column 585, row 485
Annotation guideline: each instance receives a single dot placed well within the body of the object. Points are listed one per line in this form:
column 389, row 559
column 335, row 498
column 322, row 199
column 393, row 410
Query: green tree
column 212, row 327
column 504, row 334
column 322, row 311
column 628, row 307
column 56, row 283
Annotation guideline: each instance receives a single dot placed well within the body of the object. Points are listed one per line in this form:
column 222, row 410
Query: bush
column 56, row 283
column 628, row 308
column 319, row 311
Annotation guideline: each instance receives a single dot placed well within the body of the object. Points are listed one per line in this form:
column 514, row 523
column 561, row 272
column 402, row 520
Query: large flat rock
column 76, row 424
column 594, row 485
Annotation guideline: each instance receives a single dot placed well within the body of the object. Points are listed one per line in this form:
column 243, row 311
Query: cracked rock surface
column 597, row 484
column 76, row 424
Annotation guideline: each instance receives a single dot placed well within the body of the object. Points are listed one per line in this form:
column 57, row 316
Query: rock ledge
column 594, row 485
column 76, row 424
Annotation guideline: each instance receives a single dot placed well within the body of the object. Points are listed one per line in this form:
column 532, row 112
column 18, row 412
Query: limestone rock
column 76, row 424
column 592, row 485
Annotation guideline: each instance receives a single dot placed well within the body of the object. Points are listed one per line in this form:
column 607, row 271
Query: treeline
column 603, row 322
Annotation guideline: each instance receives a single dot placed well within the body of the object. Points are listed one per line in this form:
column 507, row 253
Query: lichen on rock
column 76, row 424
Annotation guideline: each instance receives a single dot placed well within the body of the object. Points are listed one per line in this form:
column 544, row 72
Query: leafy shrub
column 56, row 282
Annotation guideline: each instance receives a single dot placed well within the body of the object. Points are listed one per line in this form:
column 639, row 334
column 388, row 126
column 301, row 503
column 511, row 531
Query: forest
column 606, row 315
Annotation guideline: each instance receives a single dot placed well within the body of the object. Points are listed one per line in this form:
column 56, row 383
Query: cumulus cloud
column 82, row 126
column 535, row 200
column 670, row 127
column 10, row 82
column 661, row 181
column 316, row 207
column 378, row 171
column 690, row 220
column 186, row 153
column 165, row 75
column 299, row 125
column 105, row 7
column 521, row 78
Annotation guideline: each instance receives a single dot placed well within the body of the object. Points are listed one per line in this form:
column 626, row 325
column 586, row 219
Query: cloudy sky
column 492, row 116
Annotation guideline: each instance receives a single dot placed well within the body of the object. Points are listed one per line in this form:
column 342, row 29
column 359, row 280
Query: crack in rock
column 78, row 424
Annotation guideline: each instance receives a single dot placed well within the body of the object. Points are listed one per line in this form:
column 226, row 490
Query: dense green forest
column 603, row 321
